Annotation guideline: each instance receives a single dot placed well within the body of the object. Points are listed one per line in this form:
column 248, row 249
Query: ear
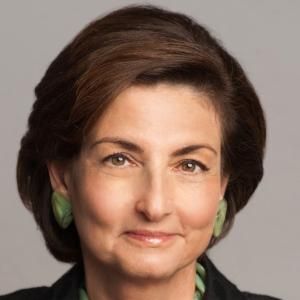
column 58, row 173
column 224, row 183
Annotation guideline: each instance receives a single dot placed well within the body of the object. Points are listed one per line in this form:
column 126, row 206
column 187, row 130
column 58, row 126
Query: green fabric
column 82, row 294
column 199, row 281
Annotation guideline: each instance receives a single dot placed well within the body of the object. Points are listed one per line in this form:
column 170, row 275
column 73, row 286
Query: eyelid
column 201, row 165
column 116, row 154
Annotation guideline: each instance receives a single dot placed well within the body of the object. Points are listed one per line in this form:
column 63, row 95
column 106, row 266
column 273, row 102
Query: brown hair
column 135, row 45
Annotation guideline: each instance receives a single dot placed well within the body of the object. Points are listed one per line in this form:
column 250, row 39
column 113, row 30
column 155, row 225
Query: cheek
column 198, row 209
column 100, row 200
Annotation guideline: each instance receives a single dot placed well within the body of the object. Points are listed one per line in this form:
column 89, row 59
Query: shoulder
column 30, row 294
column 65, row 288
column 250, row 296
column 218, row 287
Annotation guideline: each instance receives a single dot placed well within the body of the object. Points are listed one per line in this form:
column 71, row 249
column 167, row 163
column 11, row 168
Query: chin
column 150, row 265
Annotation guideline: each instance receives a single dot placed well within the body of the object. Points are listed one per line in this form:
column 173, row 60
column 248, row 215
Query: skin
column 148, row 190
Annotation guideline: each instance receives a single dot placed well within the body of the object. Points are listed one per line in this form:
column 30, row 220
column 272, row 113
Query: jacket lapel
column 218, row 287
column 66, row 288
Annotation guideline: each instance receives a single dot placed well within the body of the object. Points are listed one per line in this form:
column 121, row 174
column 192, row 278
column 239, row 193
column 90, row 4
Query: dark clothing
column 66, row 288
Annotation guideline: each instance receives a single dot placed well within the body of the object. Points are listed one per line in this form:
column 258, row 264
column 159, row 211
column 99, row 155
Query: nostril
column 154, row 207
column 154, row 201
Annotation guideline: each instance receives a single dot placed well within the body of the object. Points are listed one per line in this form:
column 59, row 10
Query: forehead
column 160, row 115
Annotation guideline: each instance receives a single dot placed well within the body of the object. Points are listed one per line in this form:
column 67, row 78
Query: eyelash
column 203, row 167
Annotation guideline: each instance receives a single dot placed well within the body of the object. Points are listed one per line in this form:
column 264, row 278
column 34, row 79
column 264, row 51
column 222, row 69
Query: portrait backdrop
column 262, row 252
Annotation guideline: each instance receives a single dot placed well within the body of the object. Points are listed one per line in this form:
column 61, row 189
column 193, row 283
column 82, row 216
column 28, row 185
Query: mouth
column 152, row 239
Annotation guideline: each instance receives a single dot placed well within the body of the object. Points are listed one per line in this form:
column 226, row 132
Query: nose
column 155, row 201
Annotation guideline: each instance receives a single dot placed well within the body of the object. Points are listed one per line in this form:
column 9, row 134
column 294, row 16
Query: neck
column 106, row 283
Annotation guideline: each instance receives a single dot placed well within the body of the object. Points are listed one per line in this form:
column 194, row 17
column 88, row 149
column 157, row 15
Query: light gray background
column 262, row 252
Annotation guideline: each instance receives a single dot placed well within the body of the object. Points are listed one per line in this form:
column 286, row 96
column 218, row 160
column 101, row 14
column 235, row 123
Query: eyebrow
column 125, row 144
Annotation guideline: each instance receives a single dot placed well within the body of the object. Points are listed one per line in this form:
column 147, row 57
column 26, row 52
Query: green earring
column 62, row 210
column 220, row 218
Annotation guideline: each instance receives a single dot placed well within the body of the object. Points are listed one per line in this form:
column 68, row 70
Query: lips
column 150, row 233
column 150, row 238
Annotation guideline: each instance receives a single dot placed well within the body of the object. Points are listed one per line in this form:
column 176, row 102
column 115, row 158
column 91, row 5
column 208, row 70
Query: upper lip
column 152, row 233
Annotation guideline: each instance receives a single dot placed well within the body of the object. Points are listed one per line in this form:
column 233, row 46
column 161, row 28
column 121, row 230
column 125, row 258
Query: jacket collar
column 66, row 287
column 218, row 287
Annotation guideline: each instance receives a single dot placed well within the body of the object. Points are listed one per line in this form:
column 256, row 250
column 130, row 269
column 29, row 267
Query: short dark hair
column 135, row 45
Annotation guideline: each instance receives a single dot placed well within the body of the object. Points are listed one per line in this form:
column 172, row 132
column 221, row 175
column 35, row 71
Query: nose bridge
column 155, row 201
column 155, row 172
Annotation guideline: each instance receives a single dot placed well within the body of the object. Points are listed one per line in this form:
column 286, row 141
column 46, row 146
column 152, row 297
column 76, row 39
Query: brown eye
column 116, row 159
column 188, row 166
column 191, row 165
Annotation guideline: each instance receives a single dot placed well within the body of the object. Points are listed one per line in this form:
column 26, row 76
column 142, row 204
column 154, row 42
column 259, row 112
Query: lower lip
column 150, row 240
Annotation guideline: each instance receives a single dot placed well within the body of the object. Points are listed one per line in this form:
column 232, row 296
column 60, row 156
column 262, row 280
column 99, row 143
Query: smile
column 150, row 238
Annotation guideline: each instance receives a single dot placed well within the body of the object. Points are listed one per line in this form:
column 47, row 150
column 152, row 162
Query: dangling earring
column 62, row 210
column 220, row 218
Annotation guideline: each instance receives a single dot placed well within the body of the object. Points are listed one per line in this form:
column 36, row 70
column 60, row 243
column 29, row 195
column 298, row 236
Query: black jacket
column 66, row 288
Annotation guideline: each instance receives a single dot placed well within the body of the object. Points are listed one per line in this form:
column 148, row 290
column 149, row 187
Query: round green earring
column 220, row 218
column 62, row 210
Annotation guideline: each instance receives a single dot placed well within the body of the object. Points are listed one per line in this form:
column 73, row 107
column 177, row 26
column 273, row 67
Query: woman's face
column 144, row 199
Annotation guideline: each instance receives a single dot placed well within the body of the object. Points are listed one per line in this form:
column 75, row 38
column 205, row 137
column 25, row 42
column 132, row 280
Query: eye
column 117, row 159
column 191, row 165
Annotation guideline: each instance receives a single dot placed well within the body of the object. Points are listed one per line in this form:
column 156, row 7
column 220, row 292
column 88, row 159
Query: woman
column 145, row 139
